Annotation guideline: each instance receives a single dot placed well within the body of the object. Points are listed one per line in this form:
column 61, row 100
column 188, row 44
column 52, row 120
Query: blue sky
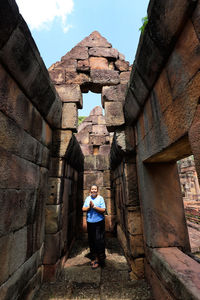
column 58, row 25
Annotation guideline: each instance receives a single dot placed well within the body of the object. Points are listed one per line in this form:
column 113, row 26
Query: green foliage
column 81, row 119
column 144, row 23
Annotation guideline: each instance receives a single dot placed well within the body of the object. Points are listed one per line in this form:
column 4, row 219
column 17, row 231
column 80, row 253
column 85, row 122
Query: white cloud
column 39, row 14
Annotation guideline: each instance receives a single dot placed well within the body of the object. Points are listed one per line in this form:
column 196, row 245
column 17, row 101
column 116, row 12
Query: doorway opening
column 191, row 199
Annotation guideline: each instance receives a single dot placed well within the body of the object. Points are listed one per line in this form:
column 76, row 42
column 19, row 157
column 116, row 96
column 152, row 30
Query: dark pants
column 96, row 239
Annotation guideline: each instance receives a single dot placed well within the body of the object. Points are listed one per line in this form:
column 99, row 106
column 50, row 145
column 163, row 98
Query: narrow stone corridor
column 79, row 281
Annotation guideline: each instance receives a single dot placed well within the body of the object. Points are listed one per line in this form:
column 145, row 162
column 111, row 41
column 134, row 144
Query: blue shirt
column 92, row 215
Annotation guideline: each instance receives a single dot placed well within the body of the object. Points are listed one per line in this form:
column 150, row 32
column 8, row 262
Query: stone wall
column 31, row 121
column 162, row 105
column 95, row 142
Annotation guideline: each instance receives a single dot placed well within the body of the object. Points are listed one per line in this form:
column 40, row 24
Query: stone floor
column 79, row 281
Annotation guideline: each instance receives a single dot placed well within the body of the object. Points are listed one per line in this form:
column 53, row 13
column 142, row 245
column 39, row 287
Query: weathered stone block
column 106, row 178
column 51, row 272
column 102, row 162
column 69, row 116
column 19, row 57
column 104, row 150
column 114, row 115
column 9, row 17
column 70, row 93
column 90, row 162
column 94, row 40
column 83, row 65
column 124, row 77
column 122, row 65
column 105, row 52
column 122, row 239
column 83, row 135
column 76, row 53
column 56, row 167
column 17, row 208
column 86, row 149
column 136, row 245
column 61, row 140
column 98, row 63
column 110, row 207
column 100, row 130
column 134, row 224
column 113, row 93
column 137, row 266
column 104, row 77
column 51, row 248
column 97, row 140
column 138, row 86
column 184, row 61
column 52, row 218
column 149, row 60
column 75, row 78
column 196, row 19
column 57, row 76
column 13, row 287
column 131, row 108
column 69, row 65
column 105, row 192
column 96, row 111
column 16, row 172
column 93, row 178
column 54, row 191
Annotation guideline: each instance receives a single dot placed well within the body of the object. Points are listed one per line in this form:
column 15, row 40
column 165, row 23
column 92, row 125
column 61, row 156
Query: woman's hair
column 94, row 185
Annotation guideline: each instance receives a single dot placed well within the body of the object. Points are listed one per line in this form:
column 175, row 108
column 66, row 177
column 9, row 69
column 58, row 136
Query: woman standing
column 95, row 207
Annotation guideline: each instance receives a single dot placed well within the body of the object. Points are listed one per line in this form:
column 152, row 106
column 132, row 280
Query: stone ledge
column 178, row 272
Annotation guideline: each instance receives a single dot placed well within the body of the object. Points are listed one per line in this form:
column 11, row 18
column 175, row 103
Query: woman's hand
column 91, row 204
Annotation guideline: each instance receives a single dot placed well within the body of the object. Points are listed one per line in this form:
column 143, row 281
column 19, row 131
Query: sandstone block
column 149, row 60
column 124, row 77
column 122, row 239
column 104, row 77
column 121, row 56
column 69, row 116
column 16, row 172
column 9, row 18
column 76, row 53
column 51, row 248
column 94, row 40
column 97, row 140
column 90, row 162
column 55, row 113
column 56, row 167
column 75, row 78
column 184, row 60
column 61, row 140
column 83, row 135
column 52, row 218
column 83, row 65
column 57, row 76
column 54, row 191
column 105, row 192
column 105, row 52
column 96, row 111
column 136, row 245
column 69, row 65
column 98, row 63
column 104, row 150
column 131, row 108
column 138, row 86
column 106, row 178
column 93, row 178
column 113, row 93
column 86, row 149
column 113, row 114
column 137, row 266
column 134, row 224
column 122, row 65
column 70, row 93
column 26, row 68
column 110, row 207
column 103, row 162
column 17, row 208
column 99, row 130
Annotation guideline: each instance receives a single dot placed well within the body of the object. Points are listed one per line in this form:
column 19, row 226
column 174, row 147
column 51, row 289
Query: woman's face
column 94, row 191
